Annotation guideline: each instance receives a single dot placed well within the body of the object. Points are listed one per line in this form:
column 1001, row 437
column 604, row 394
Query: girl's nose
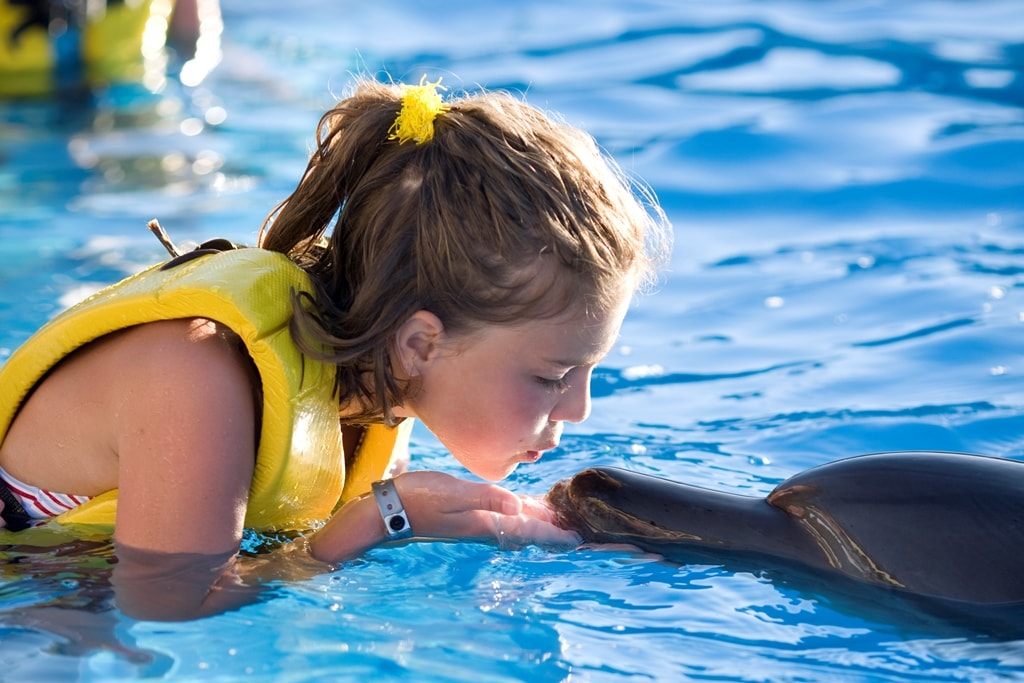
column 574, row 404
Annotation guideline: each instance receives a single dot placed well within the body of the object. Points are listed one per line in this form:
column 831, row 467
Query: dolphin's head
column 601, row 505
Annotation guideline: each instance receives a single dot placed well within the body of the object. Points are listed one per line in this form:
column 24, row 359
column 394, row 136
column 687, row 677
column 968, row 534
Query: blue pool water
column 846, row 182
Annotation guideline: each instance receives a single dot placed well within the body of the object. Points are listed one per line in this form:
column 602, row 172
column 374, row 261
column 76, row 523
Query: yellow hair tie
column 420, row 106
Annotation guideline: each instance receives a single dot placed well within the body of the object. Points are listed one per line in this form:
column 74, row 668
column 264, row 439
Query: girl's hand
column 536, row 524
column 441, row 506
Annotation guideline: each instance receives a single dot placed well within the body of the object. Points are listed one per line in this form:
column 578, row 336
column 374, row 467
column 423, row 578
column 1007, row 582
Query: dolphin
column 944, row 527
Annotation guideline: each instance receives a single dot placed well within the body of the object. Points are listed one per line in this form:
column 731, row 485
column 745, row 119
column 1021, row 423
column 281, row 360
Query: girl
column 464, row 263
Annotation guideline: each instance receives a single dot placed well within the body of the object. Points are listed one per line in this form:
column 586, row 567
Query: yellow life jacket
column 116, row 42
column 300, row 473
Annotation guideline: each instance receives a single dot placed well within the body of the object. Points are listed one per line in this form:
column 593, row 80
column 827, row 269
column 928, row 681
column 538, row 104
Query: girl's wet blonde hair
column 502, row 215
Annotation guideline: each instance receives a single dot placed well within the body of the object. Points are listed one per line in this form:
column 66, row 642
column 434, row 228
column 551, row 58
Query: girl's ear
column 418, row 342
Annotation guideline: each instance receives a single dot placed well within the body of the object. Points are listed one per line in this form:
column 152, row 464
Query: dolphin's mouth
column 578, row 507
column 560, row 500
column 582, row 504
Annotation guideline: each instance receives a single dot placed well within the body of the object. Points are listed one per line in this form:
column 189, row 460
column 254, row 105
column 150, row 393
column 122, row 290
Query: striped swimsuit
column 38, row 503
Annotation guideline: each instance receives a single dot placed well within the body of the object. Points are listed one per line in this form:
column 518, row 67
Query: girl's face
column 498, row 397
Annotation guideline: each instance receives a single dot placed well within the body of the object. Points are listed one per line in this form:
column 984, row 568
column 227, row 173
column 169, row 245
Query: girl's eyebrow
column 590, row 359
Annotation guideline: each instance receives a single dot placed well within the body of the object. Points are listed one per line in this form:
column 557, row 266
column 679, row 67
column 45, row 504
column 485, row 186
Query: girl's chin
column 507, row 471
column 498, row 472
column 492, row 475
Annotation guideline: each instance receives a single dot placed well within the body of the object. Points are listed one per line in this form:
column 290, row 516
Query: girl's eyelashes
column 556, row 384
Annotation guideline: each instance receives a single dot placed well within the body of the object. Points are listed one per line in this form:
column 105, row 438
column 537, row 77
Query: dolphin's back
column 935, row 524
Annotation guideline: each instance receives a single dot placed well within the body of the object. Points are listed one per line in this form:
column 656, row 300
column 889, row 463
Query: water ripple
column 919, row 333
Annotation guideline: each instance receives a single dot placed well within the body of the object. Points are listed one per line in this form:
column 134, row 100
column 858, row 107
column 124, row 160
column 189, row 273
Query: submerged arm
column 171, row 586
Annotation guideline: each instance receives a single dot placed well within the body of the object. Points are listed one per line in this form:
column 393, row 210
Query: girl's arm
column 440, row 506
column 185, row 438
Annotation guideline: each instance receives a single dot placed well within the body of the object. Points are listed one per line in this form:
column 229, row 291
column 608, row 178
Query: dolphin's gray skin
column 942, row 526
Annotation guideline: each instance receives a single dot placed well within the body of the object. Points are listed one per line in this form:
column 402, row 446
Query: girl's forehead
column 575, row 338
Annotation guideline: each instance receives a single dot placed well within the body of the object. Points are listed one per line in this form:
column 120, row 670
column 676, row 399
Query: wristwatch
column 396, row 522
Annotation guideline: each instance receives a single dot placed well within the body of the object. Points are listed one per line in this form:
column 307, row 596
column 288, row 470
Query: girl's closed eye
column 557, row 384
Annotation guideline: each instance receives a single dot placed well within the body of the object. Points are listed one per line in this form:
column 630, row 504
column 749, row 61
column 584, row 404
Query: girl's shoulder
column 166, row 367
column 191, row 353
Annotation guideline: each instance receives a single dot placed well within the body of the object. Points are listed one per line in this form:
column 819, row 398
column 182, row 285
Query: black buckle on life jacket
column 214, row 246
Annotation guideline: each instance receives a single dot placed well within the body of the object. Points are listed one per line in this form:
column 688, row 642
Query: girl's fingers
column 513, row 531
column 537, row 508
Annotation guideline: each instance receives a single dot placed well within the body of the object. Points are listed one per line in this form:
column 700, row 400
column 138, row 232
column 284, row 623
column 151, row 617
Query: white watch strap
column 396, row 522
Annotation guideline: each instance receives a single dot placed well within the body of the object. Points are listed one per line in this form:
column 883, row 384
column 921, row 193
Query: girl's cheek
column 529, row 403
column 541, row 399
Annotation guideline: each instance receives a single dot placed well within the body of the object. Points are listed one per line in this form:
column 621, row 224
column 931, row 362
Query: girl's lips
column 534, row 456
